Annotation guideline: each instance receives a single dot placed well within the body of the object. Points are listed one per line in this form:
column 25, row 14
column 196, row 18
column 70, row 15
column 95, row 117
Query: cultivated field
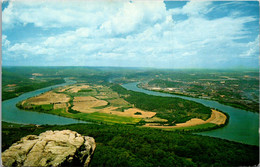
column 216, row 117
column 86, row 103
column 49, row 98
column 106, row 105
column 131, row 112
column 93, row 102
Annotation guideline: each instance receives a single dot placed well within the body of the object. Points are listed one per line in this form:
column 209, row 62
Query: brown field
column 118, row 101
column 48, row 98
column 11, row 85
column 99, row 86
column 129, row 112
column 61, row 105
column 153, row 125
column 216, row 118
column 37, row 74
column 75, row 89
column 86, row 103
column 64, row 88
column 191, row 122
column 102, row 97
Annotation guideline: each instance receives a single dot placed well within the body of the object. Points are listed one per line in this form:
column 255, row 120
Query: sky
column 170, row 34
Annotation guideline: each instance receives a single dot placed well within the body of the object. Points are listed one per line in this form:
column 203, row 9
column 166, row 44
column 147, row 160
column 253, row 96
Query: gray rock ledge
column 51, row 148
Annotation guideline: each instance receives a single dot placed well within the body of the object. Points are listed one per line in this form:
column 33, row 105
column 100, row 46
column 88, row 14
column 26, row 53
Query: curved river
column 242, row 127
column 10, row 113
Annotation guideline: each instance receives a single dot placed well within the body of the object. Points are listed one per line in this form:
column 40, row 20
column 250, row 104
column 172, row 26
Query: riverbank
column 235, row 105
column 217, row 120
column 242, row 125
column 10, row 113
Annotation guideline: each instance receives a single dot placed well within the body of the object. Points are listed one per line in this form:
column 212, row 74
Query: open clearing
column 11, row 85
column 129, row 112
column 60, row 105
column 48, row 98
column 75, row 89
column 118, row 102
column 86, row 103
column 155, row 119
column 216, row 117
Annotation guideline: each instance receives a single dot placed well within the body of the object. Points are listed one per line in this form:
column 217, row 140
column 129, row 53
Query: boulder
column 51, row 148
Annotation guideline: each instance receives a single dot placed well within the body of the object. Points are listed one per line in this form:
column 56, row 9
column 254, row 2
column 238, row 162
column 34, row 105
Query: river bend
column 243, row 125
column 10, row 113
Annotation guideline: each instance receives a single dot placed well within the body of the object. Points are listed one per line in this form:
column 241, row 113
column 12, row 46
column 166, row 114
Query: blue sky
column 157, row 34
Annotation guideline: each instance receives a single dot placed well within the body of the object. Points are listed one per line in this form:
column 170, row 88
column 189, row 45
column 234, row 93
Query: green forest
column 126, row 145
column 175, row 110
column 20, row 77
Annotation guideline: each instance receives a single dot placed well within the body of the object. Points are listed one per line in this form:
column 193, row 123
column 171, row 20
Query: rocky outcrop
column 51, row 148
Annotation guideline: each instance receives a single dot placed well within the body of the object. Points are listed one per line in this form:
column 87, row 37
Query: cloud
column 5, row 41
column 138, row 33
column 53, row 14
column 252, row 49
column 135, row 16
column 194, row 8
column 24, row 49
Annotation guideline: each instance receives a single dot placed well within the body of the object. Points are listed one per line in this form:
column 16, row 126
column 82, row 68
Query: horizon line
column 180, row 68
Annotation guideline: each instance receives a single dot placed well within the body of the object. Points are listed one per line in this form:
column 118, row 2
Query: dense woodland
column 21, row 78
column 125, row 145
column 175, row 110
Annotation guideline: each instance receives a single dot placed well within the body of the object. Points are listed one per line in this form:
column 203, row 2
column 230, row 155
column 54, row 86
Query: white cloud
column 51, row 13
column 5, row 41
column 141, row 33
column 194, row 8
column 197, row 7
column 135, row 16
column 252, row 49
column 29, row 50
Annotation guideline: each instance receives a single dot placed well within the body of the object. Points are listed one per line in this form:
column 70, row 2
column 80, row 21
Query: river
column 243, row 125
column 10, row 113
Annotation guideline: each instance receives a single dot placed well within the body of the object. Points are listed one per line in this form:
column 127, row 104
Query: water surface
column 10, row 113
column 242, row 127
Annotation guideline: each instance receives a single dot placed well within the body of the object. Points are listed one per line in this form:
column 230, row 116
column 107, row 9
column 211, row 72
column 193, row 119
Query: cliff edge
column 51, row 148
